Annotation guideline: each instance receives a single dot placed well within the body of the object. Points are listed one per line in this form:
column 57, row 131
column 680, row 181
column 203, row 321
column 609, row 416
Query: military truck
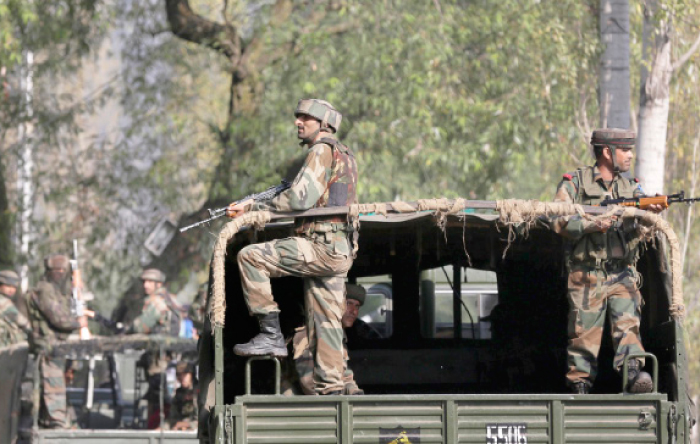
column 430, row 380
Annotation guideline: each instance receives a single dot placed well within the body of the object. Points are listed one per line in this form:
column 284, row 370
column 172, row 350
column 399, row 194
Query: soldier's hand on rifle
column 656, row 208
column 236, row 209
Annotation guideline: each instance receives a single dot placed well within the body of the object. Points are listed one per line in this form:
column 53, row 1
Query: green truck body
column 455, row 386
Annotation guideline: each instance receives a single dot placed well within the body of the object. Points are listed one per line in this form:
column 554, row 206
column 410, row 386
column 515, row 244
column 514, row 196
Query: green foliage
column 464, row 101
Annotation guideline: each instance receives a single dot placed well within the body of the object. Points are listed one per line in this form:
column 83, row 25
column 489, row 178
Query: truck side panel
column 498, row 419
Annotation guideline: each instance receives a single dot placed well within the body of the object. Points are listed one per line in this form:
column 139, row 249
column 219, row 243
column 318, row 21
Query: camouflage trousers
column 617, row 298
column 53, row 411
column 323, row 270
column 298, row 379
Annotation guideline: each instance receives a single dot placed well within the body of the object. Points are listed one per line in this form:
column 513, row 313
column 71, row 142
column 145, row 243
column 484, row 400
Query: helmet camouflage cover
column 153, row 274
column 320, row 110
column 9, row 277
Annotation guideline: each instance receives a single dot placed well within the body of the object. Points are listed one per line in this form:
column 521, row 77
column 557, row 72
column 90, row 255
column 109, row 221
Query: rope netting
column 512, row 212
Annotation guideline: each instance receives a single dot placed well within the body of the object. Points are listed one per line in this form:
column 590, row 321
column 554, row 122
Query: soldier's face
column 185, row 379
column 623, row 158
column 352, row 310
column 8, row 290
column 57, row 275
column 150, row 287
column 306, row 126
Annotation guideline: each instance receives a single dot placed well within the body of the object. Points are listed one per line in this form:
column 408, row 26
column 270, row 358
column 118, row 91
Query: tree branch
column 189, row 26
column 684, row 58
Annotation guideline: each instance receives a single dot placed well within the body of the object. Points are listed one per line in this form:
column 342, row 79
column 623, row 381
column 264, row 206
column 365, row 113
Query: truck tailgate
column 501, row 419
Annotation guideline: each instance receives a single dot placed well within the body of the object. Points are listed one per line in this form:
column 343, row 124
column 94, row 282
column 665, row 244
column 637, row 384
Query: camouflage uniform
column 51, row 318
column 14, row 327
column 321, row 254
column 602, row 278
column 155, row 314
column 183, row 407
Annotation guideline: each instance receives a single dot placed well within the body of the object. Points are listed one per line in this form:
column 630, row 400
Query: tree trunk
column 655, row 79
column 614, row 92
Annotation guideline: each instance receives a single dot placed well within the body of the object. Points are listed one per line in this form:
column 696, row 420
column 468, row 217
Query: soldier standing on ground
column 157, row 317
column 183, row 413
column 603, row 281
column 321, row 252
column 154, row 315
column 52, row 320
column 14, row 327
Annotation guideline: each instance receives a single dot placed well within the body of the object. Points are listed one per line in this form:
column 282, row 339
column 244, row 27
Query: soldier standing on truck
column 14, row 327
column 321, row 252
column 51, row 318
column 603, row 281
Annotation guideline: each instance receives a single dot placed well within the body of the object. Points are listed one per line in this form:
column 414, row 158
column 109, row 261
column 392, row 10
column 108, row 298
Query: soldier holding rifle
column 603, row 281
column 52, row 319
column 321, row 252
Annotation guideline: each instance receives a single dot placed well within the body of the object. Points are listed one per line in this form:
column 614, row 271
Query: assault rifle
column 644, row 202
column 114, row 327
column 257, row 197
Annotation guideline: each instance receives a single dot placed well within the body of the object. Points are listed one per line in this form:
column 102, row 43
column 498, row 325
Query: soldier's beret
column 153, row 274
column 9, row 277
column 613, row 136
column 567, row 176
column 356, row 292
column 54, row 261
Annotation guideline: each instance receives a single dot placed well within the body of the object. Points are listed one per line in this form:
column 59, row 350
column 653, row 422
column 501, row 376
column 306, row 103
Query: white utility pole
column 25, row 179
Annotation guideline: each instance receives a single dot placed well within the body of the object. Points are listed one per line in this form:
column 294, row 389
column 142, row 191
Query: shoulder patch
column 567, row 176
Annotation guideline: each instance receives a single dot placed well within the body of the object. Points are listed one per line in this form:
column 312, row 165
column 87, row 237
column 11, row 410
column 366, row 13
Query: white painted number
column 506, row 434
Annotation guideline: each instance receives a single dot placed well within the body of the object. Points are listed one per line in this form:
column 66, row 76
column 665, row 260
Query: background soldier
column 14, row 327
column 321, row 253
column 183, row 413
column 158, row 312
column 602, row 278
column 52, row 320
column 158, row 315
column 356, row 329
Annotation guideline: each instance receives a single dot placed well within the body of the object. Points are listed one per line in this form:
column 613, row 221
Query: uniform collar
column 597, row 177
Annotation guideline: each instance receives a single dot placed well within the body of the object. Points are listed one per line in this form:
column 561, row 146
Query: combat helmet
column 613, row 138
column 153, row 274
column 321, row 111
column 9, row 277
column 356, row 292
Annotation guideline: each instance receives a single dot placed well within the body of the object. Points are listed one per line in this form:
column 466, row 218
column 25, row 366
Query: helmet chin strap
column 309, row 139
column 616, row 168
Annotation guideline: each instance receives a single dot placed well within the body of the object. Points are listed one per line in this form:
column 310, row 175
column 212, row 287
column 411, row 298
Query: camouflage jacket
column 585, row 186
column 155, row 315
column 183, row 406
column 199, row 308
column 14, row 327
column 328, row 178
column 50, row 314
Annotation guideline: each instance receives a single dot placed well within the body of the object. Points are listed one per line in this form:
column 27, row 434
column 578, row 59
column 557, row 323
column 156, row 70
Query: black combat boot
column 268, row 342
column 580, row 388
column 638, row 381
